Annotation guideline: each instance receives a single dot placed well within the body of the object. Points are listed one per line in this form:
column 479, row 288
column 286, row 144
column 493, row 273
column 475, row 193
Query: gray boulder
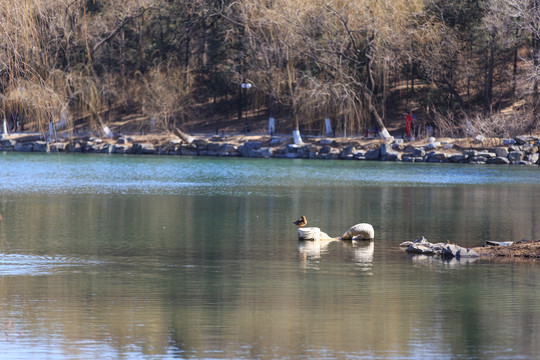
column 418, row 152
column 227, row 149
column 422, row 246
column 498, row 160
column 265, row 152
column 75, row 147
column 59, row 146
column 528, row 149
column 433, row 145
column 525, row 139
column 246, row 149
column 533, row 158
column 7, row 144
column 457, row 158
column 373, row 154
column 389, row 154
column 515, row 156
column 23, row 147
column 436, row 156
column 508, row 142
column 486, row 154
column 470, row 153
column 455, row 251
column 41, row 146
column 143, row 148
column 501, row 152
column 122, row 148
column 348, row 152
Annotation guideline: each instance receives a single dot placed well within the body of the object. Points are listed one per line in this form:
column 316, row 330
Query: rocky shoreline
column 523, row 150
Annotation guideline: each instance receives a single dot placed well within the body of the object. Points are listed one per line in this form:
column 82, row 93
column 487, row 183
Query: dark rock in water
column 515, row 156
column 75, row 147
column 422, row 246
column 41, row 146
column 486, row 154
column 470, row 153
column 143, row 148
column 99, row 147
column 7, row 144
column 533, row 158
column 347, row 152
column 418, row 152
column 23, row 147
column 457, row 158
column 200, row 143
column 373, row 154
column 498, row 160
column 246, row 149
column 389, row 154
column 121, row 148
column 477, row 160
column 436, row 156
column 265, row 152
column 59, row 146
column 450, row 251
column 425, row 249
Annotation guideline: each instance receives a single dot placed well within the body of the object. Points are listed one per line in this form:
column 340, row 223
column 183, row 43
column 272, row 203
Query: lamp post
column 245, row 87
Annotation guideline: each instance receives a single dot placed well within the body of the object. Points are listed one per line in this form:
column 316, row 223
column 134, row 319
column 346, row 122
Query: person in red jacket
column 410, row 121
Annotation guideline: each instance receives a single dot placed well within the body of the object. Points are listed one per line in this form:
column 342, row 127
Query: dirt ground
column 518, row 250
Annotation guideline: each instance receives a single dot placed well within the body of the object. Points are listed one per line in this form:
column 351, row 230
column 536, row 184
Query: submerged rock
column 422, row 246
column 451, row 251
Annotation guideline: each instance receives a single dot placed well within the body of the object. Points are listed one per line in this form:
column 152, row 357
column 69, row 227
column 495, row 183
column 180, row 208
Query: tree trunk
column 372, row 109
column 182, row 135
column 488, row 81
column 536, row 63
column 290, row 83
column 515, row 66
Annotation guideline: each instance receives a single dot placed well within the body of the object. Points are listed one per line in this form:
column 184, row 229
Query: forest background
column 465, row 66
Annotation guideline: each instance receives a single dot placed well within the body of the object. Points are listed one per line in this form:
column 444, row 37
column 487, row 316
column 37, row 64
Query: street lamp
column 245, row 87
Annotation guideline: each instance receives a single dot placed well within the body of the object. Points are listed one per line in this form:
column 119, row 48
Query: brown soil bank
column 521, row 249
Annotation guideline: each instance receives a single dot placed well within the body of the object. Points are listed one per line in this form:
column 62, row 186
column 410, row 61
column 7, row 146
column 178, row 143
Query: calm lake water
column 142, row 257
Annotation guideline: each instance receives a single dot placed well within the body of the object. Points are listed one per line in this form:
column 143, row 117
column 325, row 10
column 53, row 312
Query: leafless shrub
column 493, row 126
column 499, row 125
column 165, row 93
column 446, row 125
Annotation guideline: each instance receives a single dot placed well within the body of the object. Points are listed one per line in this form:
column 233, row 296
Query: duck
column 301, row 222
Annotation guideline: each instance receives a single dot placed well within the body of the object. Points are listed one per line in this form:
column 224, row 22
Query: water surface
column 143, row 257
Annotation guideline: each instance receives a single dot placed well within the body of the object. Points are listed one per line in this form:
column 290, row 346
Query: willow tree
column 526, row 17
column 330, row 58
column 266, row 58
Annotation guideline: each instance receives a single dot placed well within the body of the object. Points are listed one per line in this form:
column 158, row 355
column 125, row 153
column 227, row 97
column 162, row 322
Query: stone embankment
column 520, row 150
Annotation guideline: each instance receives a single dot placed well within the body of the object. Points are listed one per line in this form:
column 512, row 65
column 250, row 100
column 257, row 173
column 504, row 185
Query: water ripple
column 20, row 264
